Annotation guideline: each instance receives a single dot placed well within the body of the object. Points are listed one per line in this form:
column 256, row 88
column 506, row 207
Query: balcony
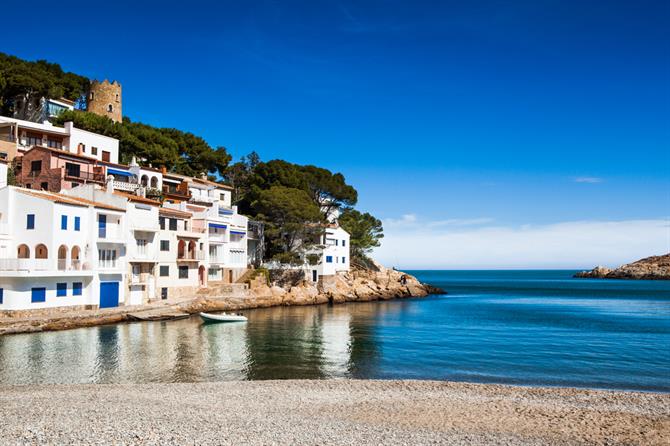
column 190, row 256
column 25, row 265
column 140, row 279
column 108, row 265
column 84, row 176
column 200, row 199
column 125, row 186
column 73, row 265
column 179, row 193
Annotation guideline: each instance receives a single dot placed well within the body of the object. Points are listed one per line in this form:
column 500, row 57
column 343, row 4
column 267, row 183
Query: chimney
column 163, row 170
column 141, row 192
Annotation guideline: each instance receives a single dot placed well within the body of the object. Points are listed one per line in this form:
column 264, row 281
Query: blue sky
column 493, row 116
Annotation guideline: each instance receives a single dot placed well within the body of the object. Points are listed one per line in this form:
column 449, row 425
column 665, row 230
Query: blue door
column 109, row 294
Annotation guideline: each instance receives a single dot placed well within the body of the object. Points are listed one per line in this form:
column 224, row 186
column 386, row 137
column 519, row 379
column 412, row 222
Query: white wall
column 337, row 248
column 3, row 174
column 91, row 140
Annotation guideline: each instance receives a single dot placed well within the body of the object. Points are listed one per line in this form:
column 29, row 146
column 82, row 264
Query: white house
column 225, row 230
column 332, row 251
column 180, row 255
column 18, row 136
column 59, row 251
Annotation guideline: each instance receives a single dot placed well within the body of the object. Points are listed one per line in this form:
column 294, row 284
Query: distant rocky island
column 650, row 268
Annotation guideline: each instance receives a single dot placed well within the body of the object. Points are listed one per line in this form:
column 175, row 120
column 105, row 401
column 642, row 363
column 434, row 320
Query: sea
column 531, row 328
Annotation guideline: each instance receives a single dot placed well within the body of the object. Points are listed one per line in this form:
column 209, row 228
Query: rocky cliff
column 356, row 286
column 650, row 268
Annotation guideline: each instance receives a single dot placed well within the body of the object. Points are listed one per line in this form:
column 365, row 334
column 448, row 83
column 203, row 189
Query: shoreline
column 332, row 412
column 356, row 286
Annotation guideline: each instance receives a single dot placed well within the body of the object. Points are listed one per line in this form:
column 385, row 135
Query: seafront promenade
column 337, row 412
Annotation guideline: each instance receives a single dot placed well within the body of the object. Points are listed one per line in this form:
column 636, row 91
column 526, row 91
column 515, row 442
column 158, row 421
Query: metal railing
column 85, row 176
column 191, row 255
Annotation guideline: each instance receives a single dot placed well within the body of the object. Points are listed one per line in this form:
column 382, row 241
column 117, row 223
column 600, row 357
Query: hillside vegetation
column 292, row 200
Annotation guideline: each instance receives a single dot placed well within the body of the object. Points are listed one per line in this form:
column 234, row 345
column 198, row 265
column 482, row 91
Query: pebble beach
column 338, row 412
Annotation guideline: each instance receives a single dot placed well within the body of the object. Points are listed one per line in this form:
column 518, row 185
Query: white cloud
column 411, row 243
column 590, row 180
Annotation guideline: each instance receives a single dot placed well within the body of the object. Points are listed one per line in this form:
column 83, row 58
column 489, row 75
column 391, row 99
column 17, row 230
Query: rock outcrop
column 650, row 268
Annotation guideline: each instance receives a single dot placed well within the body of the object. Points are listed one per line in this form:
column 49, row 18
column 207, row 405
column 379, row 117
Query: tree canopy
column 180, row 152
column 365, row 233
column 24, row 82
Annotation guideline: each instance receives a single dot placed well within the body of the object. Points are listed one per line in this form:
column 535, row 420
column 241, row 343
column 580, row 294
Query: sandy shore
column 342, row 412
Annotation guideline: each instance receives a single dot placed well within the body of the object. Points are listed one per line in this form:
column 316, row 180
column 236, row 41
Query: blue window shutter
column 63, row 222
column 30, row 221
column 329, row 259
column 76, row 288
column 344, row 243
column 344, row 260
column 61, row 289
column 77, row 223
column 2, row 292
column 102, row 226
column 38, row 295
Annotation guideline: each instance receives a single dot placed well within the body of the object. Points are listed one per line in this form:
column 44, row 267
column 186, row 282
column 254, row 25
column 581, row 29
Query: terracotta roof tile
column 137, row 198
column 65, row 199
column 174, row 213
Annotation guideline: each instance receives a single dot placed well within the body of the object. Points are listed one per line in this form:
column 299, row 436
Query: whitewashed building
column 18, row 136
column 60, row 251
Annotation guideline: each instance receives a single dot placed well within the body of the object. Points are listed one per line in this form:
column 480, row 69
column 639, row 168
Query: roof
column 63, row 152
column 35, row 125
column 65, row 199
column 174, row 213
column 136, row 198
column 212, row 183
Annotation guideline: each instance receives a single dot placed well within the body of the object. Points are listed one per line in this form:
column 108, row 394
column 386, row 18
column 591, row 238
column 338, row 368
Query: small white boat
column 222, row 317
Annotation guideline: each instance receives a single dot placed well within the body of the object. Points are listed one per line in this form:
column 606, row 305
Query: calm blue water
column 516, row 327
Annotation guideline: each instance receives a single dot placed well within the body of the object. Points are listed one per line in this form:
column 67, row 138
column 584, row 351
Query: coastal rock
column 650, row 268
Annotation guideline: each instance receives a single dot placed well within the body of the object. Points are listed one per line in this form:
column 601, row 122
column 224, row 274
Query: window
column 105, row 155
column 165, row 245
column 329, row 259
column 61, row 289
column 77, row 223
column 102, row 226
column 2, row 292
column 30, row 221
column 38, row 295
column 183, row 272
column 110, row 108
column 35, row 167
column 94, row 151
column 344, row 260
column 54, row 144
column 107, row 258
column 161, row 221
column 173, row 224
column 34, row 140
column 344, row 243
column 76, row 288
column 44, row 186
column 92, row 96
column 73, row 170
column 164, row 271
column 117, row 97
column 63, row 222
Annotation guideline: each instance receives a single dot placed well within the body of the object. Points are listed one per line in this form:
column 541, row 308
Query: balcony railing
column 109, row 264
column 25, row 265
column 84, row 176
column 201, row 199
column 71, row 265
column 124, row 185
column 191, row 255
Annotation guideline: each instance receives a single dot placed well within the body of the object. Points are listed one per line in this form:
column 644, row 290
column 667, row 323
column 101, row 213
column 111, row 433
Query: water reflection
column 276, row 343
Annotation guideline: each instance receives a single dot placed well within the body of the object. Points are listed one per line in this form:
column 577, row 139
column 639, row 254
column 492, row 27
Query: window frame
column 77, row 288
column 167, row 271
column 30, row 221
column 77, row 223
column 181, row 269
column 61, row 289
column 63, row 222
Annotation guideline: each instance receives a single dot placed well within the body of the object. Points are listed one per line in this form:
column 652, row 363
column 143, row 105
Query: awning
column 216, row 225
column 119, row 172
column 238, row 232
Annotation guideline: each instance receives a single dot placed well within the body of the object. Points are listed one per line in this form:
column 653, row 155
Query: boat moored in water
column 222, row 317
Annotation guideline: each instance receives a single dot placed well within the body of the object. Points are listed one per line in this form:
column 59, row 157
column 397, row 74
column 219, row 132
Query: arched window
column 110, row 108
column 154, row 182
column 92, row 96
column 74, row 258
column 62, row 257
column 191, row 249
column 145, row 180
column 117, row 97
column 41, row 252
column 23, row 252
column 181, row 247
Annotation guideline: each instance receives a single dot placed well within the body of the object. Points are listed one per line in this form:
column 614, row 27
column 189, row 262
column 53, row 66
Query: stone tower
column 104, row 99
